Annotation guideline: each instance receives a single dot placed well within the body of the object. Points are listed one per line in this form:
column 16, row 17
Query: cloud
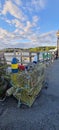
column 11, row 8
column 34, row 5
column 15, row 39
column 28, row 26
column 3, row 33
column 48, row 38
column 35, row 18
column 17, row 23
column 17, row 2
column 39, row 4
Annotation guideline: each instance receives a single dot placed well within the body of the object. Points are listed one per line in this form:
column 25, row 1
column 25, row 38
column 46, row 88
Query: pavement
column 53, row 79
column 44, row 113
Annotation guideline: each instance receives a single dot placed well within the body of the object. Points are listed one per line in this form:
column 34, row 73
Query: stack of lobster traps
column 4, row 77
column 27, row 84
column 3, row 82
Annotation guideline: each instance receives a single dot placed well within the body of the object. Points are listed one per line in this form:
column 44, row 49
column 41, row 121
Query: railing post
column 47, row 56
column 14, row 52
column 43, row 56
column 30, row 57
column 21, row 58
column 38, row 56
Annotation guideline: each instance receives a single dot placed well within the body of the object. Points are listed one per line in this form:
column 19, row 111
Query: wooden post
column 21, row 58
column 38, row 56
column 47, row 57
column 43, row 56
column 14, row 53
column 30, row 57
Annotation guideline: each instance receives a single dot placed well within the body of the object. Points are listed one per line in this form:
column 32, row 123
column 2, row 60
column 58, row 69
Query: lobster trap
column 3, row 82
column 3, row 76
column 27, row 84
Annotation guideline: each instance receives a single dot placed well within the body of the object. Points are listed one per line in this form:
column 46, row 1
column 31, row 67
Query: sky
column 28, row 23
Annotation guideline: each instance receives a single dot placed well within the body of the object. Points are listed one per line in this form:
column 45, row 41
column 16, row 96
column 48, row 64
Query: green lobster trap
column 26, row 85
column 3, row 82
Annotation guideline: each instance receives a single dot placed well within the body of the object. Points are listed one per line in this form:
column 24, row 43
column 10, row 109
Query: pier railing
column 26, row 57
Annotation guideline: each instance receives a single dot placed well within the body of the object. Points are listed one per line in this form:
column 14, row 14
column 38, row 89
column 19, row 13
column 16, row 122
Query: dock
column 44, row 113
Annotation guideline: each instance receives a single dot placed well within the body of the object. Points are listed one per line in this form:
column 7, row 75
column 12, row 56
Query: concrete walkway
column 53, row 79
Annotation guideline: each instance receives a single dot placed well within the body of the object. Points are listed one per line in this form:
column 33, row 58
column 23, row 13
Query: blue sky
column 28, row 23
column 49, row 17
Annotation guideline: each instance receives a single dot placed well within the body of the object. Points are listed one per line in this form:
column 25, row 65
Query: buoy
column 21, row 67
column 14, row 65
column 14, row 68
